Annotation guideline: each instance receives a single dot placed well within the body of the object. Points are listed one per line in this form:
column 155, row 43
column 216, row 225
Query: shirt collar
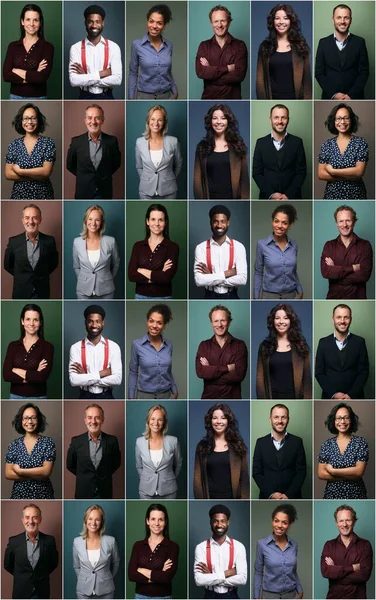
column 270, row 239
column 213, row 541
column 277, row 141
column 145, row 40
column 344, row 42
column 99, row 436
column 345, row 340
column 90, row 138
column 29, row 539
column 89, row 43
column 279, row 441
column 212, row 241
column 146, row 242
column 270, row 539
column 87, row 341
column 145, row 340
column 29, row 240
column 228, row 340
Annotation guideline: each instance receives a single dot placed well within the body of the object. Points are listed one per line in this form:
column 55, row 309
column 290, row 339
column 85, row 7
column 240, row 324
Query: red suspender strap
column 231, row 559
column 231, row 259
column 83, row 56
column 83, row 355
column 106, row 55
column 208, row 555
column 208, row 255
column 106, row 354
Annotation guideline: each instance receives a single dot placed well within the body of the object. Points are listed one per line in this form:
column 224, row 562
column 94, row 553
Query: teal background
column 177, row 217
column 326, row 529
column 301, row 532
column 10, row 31
column 300, row 124
column 10, row 319
column 325, row 229
column 200, row 329
column 300, row 424
column 177, row 518
column 136, row 113
column 115, row 526
column 73, row 224
column 177, row 426
column 363, row 24
column 200, row 29
column 363, row 324
column 176, row 332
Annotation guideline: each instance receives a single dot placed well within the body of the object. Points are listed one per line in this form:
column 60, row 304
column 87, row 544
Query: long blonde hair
column 83, row 233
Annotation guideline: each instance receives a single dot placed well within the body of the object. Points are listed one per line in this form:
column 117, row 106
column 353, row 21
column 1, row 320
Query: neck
column 32, row 536
column 283, row 37
column 28, row 337
column 92, row 235
column 30, row 135
column 346, row 539
column 343, row 136
column 280, row 238
column 341, row 36
column 221, row 339
column 220, row 240
column 94, row 40
column 282, row 337
column 346, row 239
column 94, row 340
column 92, row 535
column 155, row 135
column 95, row 136
column 95, row 436
column 277, row 435
column 31, row 434
column 31, row 38
column 155, row 435
column 221, row 40
column 32, row 236
column 341, row 336
column 280, row 538
column 219, row 137
column 278, row 136
column 155, row 39
column 219, row 539
column 154, row 237
column 155, row 539
column 155, row 338
column 219, row 437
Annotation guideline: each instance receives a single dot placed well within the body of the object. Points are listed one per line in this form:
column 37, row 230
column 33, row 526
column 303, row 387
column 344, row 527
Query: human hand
column 299, row 296
column 77, row 368
column 77, row 68
column 16, row 468
column 356, row 267
column 231, row 68
column 16, row 168
column 167, row 565
column 279, row 196
column 202, row 567
column 299, row 595
column 329, row 261
column 42, row 365
column 42, row 65
column 167, row 265
column 356, row 567
column 340, row 96
column 329, row 561
column 340, row 396
column 204, row 62
column 203, row 268
column 231, row 367
column 278, row 496
column 204, row 361
column 175, row 96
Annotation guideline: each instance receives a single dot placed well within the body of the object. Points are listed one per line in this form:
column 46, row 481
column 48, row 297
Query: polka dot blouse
column 356, row 451
column 356, row 151
column 44, row 450
column 43, row 151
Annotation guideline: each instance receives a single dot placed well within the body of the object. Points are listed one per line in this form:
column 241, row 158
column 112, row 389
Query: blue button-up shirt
column 150, row 370
column 276, row 569
column 150, row 69
column 275, row 269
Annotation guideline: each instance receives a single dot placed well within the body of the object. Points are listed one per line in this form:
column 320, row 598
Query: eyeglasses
column 344, row 119
column 31, row 119
column 345, row 419
column 30, row 418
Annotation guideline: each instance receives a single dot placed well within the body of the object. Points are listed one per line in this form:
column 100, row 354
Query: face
column 220, row 23
column 156, row 121
column 29, row 420
column 156, row 222
column 94, row 25
column 279, row 120
column 219, row 122
column 342, row 20
column 342, row 320
column 156, row 421
column 345, row 522
column 281, row 322
column 94, row 325
column 94, row 120
column 31, row 322
column 219, row 421
column 280, row 225
column 280, row 524
column 281, row 22
column 219, row 524
column 93, row 420
column 155, row 324
column 155, row 25
column 279, row 419
column 29, row 120
column 345, row 222
column 342, row 120
column 31, row 219
column 31, row 22
column 220, row 322
column 156, row 522
column 342, row 420
column 94, row 521
column 31, row 519
column 219, row 225
column 94, row 221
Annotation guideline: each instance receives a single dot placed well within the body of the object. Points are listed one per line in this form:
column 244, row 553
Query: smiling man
column 220, row 562
column 347, row 261
column 347, row 559
column 95, row 62
column 220, row 262
column 95, row 362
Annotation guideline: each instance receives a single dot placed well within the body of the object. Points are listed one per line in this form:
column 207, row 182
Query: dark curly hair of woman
column 17, row 421
column 17, row 121
column 330, row 122
column 233, row 438
column 287, row 509
column 294, row 35
column 232, row 135
column 330, row 422
column 294, row 334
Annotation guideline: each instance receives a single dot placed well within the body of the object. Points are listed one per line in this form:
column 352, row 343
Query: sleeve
column 362, row 450
column 115, row 558
column 205, row 579
column 260, row 78
column 244, row 478
column 34, row 376
column 324, row 157
column 178, row 159
column 212, row 71
column 72, row 458
column 294, row 490
column 259, row 571
column 241, row 568
column 320, row 71
column 366, row 565
column 307, row 378
column 241, row 66
column 76, row 260
column 49, row 450
column 9, row 258
column 11, row 455
column 333, row 272
column 365, row 259
column 241, row 365
column 116, row 368
column 115, row 259
column 133, row 574
column 258, row 472
column 165, row 277
column 49, row 150
column 258, row 174
column 139, row 461
column 259, row 271
column 116, row 68
column 174, row 89
column 72, row 158
column 198, row 190
column 9, row 558
column 260, row 377
column 360, row 379
column 205, row 279
column 8, row 74
column 333, row 571
column 53, row 555
column 133, row 72
column 139, row 161
column 357, row 89
column 324, row 457
column 133, row 371
column 241, row 267
column 115, row 455
column 198, row 490
column 209, row 372
column 320, row 371
column 133, row 274
column 115, row 155
column 35, row 76
column 11, row 156
column 307, row 78
column 362, row 151
column 8, row 374
column 80, row 79
column 293, row 190
column 299, row 287
column 159, row 576
column 53, row 256
column 178, row 459
column 245, row 193
column 174, row 388
column 80, row 379
column 299, row 588
column 76, row 560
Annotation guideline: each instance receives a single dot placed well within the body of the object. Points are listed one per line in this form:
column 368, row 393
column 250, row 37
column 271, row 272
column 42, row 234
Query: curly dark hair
column 294, row 34
column 161, row 9
column 330, row 422
column 330, row 122
column 232, row 135
column 161, row 508
column 163, row 310
column 294, row 334
column 286, row 209
column 160, row 208
column 287, row 509
column 17, row 121
column 233, row 438
column 17, row 421
column 34, row 8
column 37, row 309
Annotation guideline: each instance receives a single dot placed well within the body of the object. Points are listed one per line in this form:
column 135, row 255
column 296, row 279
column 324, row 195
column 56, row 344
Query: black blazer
column 26, row 281
column 344, row 71
column 26, row 581
column 350, row 377
column 91, row 183
column 281, row 171
column 90, row 482
column 287, row 475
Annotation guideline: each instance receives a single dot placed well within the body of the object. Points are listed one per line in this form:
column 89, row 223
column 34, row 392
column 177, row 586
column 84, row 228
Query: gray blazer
column 161, row 179
column 99, row 279
column 98, row 579
column 161, row 479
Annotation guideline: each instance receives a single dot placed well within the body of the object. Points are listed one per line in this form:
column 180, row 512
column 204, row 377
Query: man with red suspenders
column 220, row 262
column 220, row 562
column 95, row 62
column 95, row 362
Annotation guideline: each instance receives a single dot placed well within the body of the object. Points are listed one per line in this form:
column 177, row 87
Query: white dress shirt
column 220, row 555
column 220, row 256
column 91, row 80
column 91, row 380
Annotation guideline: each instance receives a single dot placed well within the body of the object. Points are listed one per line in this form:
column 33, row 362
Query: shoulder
column 108, row 539
column 359, row 141
column 78, row 240
column 13, row 445
column 113, row 45
column 17, row 239
column 329, row 443
column 171, row 439
column 46, row 440
column 357, row 39
column 79, row 438
column 17, row 539
column 264, row 439
column 79, row 139
column 263, row 140
column 327, row 39
column 171, row 139
column 329, row 338
column 137, row 546
column 141, row 141
column 49, row 539
column 17, row 143
column 75, row 46
column 294, row 139
column 13, row 346
column 238, row 342
column 47, row 45
column 172, row 245
column 359, row 440
column 13, row 45
column 205, row 43
column 205, row 343
column 358, row 339
column 108, row 239
column 294, row 438
column 46, row 345
column 173, row 546
column 46, row 141
column 109, row 138
column 114, row 345
column 239, row 546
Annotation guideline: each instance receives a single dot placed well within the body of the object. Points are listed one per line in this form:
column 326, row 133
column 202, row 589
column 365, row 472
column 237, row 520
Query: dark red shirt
column 143, row 557
column 143, row 257
column 18, row 58
column 344, row 282
column 344, row 582
column 17, row 357
column 219, row 382
column 219, row 82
